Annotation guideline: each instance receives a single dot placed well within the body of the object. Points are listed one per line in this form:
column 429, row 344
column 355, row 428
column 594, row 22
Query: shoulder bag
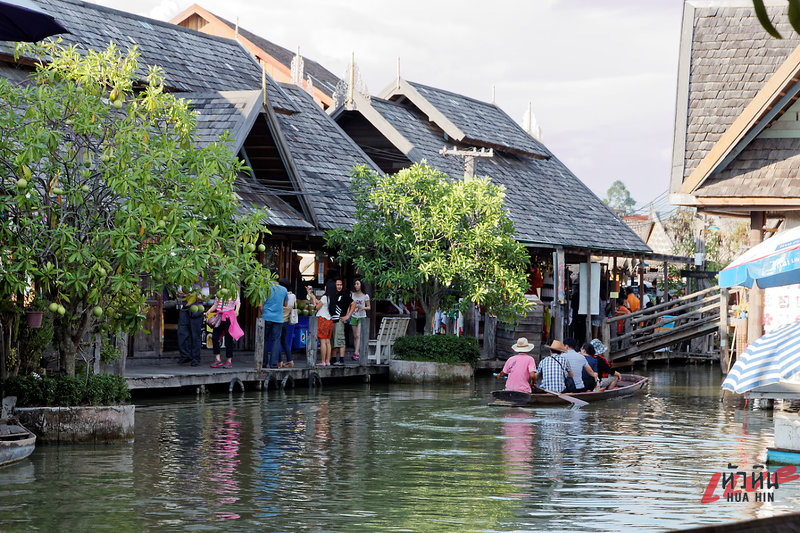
column 569, row 383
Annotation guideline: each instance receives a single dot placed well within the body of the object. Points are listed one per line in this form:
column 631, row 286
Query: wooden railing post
column 724, row 353
column 364, row 348
column 489, row 337
column 258, row 351
column 311, row 342
column 605, row 332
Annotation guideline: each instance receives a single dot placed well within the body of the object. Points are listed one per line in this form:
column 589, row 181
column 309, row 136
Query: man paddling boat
column 519, row 368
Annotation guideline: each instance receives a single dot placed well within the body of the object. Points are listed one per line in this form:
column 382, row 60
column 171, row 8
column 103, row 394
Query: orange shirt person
column 633, row 302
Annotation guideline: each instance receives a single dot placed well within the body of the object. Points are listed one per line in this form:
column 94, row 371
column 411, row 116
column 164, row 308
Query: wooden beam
column 755, row 310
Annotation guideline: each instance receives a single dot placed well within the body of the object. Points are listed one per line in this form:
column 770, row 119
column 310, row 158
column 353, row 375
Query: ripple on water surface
column 396, row 458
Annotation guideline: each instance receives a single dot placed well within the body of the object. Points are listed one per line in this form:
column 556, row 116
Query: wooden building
column 555, row 215
column 300, row 158
column 282, row 65
column 737, row 124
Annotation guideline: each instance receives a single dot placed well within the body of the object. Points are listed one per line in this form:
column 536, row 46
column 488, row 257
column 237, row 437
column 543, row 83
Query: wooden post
column 558, row 281
column 489, row 337
column 588, row 328
column 96, row 356
column 641, row 282
column 364, row 348
column 755, row 313
column 121, row 342
column 666, row 281
column 258, row 351
column 605, row 332
column 724, row 352
column 311, row 342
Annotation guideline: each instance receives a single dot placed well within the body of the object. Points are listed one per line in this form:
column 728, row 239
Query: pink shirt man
column 519, row 367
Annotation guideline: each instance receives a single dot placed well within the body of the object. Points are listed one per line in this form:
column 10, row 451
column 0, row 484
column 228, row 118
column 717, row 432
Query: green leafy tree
column 420, row 235
column 618, row 198
column 104, row 198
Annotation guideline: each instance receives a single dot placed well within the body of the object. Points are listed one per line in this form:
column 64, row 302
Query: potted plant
column 34, row 313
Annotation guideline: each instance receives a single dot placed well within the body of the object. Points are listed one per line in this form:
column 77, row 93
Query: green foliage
column 106, row 198
column 793, row 14
column 438, row 349
column 66, row 391
column 420, row 235
column 618, row 198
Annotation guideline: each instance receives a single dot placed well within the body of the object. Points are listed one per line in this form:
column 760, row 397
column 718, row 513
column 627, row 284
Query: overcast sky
column 601, row 73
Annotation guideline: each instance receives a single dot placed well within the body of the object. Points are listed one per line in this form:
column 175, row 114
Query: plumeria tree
column 104, row 197
column 420, row 235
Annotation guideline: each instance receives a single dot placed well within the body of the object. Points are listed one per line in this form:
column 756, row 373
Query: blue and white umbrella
column 770, row 359
column 772, row 263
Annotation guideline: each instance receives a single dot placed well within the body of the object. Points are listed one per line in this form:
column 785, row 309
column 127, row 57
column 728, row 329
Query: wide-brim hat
column 522, row 345
column 556, row 346
column 599, row 347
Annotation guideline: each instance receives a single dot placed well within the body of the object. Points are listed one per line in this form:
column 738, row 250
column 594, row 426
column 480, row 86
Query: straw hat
column 599, row 347
column 556, row 346
column 522, row 345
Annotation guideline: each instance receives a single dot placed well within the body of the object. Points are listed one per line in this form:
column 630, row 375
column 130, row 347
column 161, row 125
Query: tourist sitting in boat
column 578, row 365
column 608, row 377
column 553, row 369
column 520, row 368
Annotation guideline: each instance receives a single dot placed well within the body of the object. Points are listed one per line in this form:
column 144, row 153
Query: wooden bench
column 391, row 328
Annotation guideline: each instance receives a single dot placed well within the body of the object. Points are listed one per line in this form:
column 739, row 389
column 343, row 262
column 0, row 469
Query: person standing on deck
column 341, row 308
column 553, row 369
column 272, row 313
column 577, row 364
column 324, row 325
column 633, row 302
column 362, row 306
column 228, row 309
column 190, row 324
column 520, row 368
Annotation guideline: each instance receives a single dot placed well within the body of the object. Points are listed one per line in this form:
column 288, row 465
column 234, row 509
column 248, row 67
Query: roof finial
column 350, row 86
column 264, row 82
column 236, row 31
column 351, row 80
column 398, row 72
column 493, row 99
column 530, row 124
column 297, row 67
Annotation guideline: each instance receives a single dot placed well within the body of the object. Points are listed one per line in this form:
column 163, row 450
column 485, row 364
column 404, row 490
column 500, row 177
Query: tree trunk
column 430, row 305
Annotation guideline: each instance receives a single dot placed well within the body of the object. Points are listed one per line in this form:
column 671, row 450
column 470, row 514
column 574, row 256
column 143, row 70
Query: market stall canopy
column 23, row 20
column 770, row 359
column 773, row 263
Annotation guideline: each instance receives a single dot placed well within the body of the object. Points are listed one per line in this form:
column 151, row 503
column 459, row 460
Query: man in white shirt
column 577, row 363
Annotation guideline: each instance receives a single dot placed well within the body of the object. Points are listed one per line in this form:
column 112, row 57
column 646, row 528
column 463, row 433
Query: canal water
column 404, row 458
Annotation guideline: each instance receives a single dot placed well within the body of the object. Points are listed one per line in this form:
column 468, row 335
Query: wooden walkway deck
column 171, row 375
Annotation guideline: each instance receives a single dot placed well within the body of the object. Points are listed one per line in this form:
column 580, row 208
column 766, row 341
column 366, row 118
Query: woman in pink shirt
column 519, row 368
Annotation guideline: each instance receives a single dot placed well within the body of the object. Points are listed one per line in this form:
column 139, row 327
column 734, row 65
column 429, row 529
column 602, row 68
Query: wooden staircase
column 667, row 324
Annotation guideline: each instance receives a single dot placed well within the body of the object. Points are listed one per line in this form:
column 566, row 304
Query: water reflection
column 403, row 458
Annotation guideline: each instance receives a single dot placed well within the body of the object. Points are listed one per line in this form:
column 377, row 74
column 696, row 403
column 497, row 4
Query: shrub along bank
column 65, row 391
column 448, row 349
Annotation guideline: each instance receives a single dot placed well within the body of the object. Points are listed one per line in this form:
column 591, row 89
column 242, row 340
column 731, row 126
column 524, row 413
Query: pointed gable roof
column 734, row 81
column 191, row 61
column 322, row 157
column 547, row 203
column 468, row 120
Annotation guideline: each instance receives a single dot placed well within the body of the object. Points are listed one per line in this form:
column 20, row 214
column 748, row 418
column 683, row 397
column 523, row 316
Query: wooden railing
column 682, row 319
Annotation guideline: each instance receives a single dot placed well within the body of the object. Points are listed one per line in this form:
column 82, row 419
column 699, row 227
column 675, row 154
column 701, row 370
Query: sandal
column 355, row 357
column 280, row 364
column 290, row 364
